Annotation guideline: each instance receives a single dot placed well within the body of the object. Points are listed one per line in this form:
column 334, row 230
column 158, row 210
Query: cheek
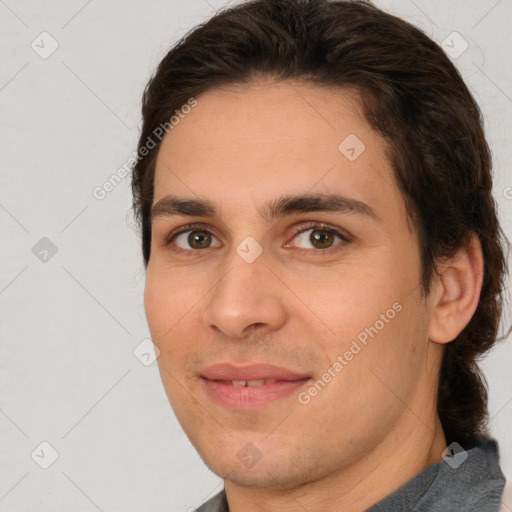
column 172, row 302
column 346, row 303
column 167, row 299
column 156, row 304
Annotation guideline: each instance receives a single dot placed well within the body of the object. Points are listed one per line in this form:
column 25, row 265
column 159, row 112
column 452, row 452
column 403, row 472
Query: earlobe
column 456, row 292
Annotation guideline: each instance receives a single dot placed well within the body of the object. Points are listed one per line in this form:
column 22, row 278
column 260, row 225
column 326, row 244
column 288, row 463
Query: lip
column 217, row 382
column 258, row 371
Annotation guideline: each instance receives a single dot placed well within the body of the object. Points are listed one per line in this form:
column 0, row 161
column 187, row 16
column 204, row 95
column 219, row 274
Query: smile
column 250, row 387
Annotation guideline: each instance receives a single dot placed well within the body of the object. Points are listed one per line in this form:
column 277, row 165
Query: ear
column 456, row 292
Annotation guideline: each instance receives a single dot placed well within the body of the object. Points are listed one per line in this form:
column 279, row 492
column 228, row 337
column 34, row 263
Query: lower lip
column 242, row 397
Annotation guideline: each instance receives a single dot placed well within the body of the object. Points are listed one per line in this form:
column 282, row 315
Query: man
column 324, row 260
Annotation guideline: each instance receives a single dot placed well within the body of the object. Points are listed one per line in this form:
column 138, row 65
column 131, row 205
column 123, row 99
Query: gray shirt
column 472, row 484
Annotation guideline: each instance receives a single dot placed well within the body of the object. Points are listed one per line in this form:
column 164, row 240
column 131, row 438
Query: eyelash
column 313, row 225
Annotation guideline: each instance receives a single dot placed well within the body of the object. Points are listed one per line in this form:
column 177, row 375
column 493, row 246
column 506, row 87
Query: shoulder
column 216, row 504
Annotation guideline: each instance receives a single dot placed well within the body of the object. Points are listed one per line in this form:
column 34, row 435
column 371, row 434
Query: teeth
column 251, row 383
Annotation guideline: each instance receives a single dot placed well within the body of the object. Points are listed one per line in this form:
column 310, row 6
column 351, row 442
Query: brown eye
column 321, row 239
column 194, row 237
column 318, row 238
column 199, row 239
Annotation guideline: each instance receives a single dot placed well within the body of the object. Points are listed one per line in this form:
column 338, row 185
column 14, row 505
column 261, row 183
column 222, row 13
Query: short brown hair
column 412, row 95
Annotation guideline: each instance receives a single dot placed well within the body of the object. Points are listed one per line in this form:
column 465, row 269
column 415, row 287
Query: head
column 275, row 91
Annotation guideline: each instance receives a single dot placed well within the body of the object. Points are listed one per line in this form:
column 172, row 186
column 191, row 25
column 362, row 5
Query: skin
column 375, row 425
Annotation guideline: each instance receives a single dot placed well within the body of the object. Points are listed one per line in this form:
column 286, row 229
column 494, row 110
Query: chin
column 262, row 478
column 267, row 473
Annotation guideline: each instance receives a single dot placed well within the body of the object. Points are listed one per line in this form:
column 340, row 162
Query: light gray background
column 68, row 375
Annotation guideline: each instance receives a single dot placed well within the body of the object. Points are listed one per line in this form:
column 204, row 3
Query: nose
column 246, row 297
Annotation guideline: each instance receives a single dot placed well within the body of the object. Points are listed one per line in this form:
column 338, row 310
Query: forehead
column 242, row 144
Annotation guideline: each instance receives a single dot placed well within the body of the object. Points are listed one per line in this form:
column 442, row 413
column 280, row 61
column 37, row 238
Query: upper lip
column 260, row 371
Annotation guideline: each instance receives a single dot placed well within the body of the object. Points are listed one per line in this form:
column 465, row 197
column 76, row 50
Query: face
column 292, row 334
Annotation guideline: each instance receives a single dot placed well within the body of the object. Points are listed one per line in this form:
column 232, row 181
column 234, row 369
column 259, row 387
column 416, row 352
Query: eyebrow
column 281, row 207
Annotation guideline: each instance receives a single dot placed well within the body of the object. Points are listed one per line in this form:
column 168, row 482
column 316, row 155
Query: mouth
column 249, row 383
column 250, row 387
